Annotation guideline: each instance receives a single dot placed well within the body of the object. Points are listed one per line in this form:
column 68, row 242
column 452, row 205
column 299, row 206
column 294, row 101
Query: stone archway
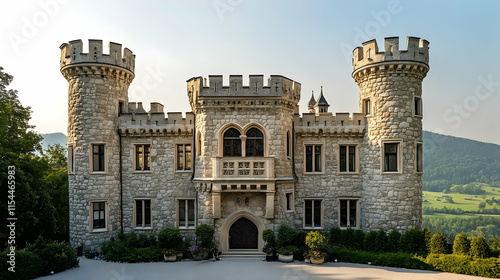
column 228, row 223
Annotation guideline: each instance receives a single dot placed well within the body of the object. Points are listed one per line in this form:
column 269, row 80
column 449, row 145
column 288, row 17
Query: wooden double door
column 243, row 234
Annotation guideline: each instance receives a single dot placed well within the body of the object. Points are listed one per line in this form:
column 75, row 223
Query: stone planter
column 179, row 256
column 317, row 261
column 200, row 256
column 170, row 258
column 285, row 258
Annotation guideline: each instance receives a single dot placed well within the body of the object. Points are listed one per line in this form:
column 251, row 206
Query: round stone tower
column 97, row 94
column 390, row 95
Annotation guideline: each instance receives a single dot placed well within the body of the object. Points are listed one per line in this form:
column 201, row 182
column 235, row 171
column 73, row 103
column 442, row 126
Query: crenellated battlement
column 72, row 53
column 310, row 123
column 214, row 87
column 136, row 121
column 417, row 51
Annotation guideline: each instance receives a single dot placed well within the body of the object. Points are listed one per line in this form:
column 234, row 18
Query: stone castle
column 244, row 159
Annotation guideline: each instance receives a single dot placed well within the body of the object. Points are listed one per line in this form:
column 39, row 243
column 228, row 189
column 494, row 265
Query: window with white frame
column 142, row 213
column 417, row 106
column 349, row 213
column 391, row 156
column 420, row 157
column 98, row 157
column 313, row 213
column 142, row 157
column 347, row 158
column 71, row 159
column 98, row 216
column 185, row 213
column 183, row 157
column 313, row 158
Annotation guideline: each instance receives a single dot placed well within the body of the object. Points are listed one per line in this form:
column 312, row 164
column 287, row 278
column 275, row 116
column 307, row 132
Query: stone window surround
column 323, row 146
column 134, row 225
column 322, row 215
column 243, row 131
column 91, row 216
column 289, row 199
column 367, row 111
column 132, row 156
column 399, row 155
column 419, row 157
column 417, row 101
column 91, row 156
column 177, row 143
column 177, row 212
column 71, row 158
column 358, row 210
column 356, row 156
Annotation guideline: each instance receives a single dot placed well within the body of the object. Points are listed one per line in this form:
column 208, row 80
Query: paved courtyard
column 242, row 269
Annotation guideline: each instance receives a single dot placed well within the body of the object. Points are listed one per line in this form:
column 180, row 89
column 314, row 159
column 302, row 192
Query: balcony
column 243, row 168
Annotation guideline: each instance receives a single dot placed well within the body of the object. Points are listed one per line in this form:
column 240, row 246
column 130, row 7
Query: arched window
column 232, row 143
column 254, row 143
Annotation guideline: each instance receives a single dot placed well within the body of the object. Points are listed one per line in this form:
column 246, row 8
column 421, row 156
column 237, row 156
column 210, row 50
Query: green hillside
column 53, row 138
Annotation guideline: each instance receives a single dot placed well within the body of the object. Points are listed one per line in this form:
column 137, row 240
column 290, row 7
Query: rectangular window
column 349, row 213
column 312, row 213
column 71, row 159
column 184, row 157
column 289, row 201
column 391, row 157
column 143, row 213
column 98, row 215
column 142, row 157
column 417, row 106
column 313, row 158
column 367, row 107
column 185, row 213
column 98, row 157
column 347, row 158
column 420, row 159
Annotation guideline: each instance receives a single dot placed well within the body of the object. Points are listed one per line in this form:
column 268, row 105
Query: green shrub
column 286, row 236
column 463, row 264
column 358, row 239
column 120, row 250
column 437, row 244
column 204, row 235
column 486, row 267
column 54, row 257
column 287, row 250
column 393, row 241
column 427, row 237
column 479, row 247
column 347, row 238
column 369, row 241
column 381, row 241
column 269, row 237
column 315, row 240
column 412, row 241
column 28, row 265
column 169, row 238
column 334, row 235
column 300, row 238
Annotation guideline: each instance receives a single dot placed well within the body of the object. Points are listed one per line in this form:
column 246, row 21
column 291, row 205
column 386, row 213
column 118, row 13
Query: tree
column 427, row 236
column 438, row 244
column 482, row 205
column 461, row 244
column 479, row 247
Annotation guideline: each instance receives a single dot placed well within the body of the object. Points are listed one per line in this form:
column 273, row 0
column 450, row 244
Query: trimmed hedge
column 465, row 265
column 124, row 248
column 28, row 265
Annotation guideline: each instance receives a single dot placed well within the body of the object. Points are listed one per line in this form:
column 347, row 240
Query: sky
column 308, row 41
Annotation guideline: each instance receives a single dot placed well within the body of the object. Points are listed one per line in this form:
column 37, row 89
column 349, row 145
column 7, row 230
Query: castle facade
column 244, row 159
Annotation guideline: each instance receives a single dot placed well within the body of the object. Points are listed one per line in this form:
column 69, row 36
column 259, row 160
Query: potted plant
column 199, row 253
column 316, row 243
column 270, row 247
column 285, row 254
column 307, row 257
column 170, row 255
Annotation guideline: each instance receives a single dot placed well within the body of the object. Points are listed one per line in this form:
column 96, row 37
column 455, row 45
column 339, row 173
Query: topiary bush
column 381, row 241
column 461, row 244
column 169, row 238
column 286, row 236
column 369, row 241
column 358, row 239
column 437, row 244
column 393, row 241
column 126, row 248
column 479, row 247
column 347, row 238
column 204, row 235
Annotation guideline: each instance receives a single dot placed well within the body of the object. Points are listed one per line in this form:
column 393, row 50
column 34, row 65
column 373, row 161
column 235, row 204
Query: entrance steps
column 243, row 254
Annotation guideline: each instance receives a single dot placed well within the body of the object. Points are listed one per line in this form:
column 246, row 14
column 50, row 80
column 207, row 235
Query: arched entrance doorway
column 233, row 218
column 243, row 234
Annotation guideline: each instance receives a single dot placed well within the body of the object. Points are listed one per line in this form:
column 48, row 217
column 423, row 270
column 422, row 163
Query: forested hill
column 453, row 160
